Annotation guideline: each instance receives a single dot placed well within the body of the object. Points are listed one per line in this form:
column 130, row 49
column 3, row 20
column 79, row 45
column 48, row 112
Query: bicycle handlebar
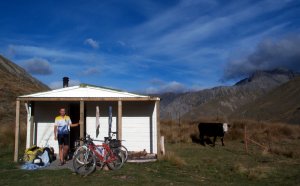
column 89, row 139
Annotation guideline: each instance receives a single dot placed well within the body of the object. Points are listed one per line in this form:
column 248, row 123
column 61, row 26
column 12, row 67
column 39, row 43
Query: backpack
column 51, row 154
column 31, row 153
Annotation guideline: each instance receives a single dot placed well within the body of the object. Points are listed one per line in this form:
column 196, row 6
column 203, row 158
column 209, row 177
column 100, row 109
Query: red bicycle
column 89, row 156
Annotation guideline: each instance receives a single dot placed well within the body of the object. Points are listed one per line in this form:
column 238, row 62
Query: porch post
column 158, row 129
column 81, row 121
column 119, row 128
column 17, row 131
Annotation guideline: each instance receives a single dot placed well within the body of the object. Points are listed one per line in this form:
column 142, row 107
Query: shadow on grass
column 195, row 139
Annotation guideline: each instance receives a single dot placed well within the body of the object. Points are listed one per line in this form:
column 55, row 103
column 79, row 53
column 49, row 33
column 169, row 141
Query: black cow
column 212, row 129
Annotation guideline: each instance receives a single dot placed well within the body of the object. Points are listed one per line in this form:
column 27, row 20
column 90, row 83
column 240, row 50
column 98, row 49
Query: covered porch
column 135, row 117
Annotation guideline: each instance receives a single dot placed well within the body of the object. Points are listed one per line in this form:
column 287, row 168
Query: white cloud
column 42, row 52
column 38, row 66
column 36, row 51
column 172, row 38
column 112, row 64
column 269, row 54
column 91, row 42
column 159, row 86
column 59, row 55
column 181, row 31
column 91, row 71
column 122, row 43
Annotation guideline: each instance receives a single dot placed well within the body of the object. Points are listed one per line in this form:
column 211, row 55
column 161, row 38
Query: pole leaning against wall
column 109, row 120
column 97, row 121
column 81, row 121
column 119, row 125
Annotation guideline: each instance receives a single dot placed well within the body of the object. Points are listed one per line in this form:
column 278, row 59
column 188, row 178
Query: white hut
column 135, row 117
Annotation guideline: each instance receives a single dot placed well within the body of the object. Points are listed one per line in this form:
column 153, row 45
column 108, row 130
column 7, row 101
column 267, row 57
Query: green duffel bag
column 32, row 152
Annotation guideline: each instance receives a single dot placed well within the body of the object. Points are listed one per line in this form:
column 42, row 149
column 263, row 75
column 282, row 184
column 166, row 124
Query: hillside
column 281, row 104
column 14, row 81
column 225, row 100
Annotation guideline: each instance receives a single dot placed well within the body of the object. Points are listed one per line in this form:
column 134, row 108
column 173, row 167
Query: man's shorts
column 63, row 139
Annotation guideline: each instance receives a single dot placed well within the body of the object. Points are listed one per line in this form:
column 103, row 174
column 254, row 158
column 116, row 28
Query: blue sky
column 150, row 46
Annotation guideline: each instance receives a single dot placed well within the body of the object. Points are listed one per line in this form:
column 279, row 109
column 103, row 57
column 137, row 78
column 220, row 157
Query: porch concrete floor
column 55, row 165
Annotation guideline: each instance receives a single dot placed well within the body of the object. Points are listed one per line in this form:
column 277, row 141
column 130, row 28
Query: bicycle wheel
column 125, row 152
column 84, row 163
column 115, row 161
column 82, row 148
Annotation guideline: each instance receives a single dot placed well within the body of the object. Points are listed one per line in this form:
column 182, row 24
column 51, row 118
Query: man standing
column 61, row 133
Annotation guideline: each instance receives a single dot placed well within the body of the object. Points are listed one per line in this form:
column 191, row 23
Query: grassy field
column 184, row 164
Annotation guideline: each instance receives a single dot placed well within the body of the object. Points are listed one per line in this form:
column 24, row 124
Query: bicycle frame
column 108, row 156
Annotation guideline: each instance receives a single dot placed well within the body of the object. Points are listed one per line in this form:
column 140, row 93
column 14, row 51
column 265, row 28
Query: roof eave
column 88, row 99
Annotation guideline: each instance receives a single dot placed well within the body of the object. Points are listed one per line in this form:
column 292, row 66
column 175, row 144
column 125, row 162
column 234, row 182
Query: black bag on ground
column 38, row 161
column 51, row 154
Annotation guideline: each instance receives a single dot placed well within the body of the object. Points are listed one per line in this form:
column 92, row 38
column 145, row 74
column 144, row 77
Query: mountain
column 281, row 105
column 224, row 100
column 14, row 81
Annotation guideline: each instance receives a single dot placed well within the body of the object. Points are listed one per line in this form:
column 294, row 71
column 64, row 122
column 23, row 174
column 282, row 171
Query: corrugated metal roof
column 84, row 91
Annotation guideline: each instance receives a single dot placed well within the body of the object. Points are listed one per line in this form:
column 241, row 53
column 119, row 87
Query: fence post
column 162, row 145
column 245, row 138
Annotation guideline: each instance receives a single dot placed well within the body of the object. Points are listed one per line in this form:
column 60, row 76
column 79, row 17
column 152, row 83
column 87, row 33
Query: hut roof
column 85, row 92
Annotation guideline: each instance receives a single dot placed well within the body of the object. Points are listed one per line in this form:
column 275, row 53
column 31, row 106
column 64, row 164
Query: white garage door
column 103, row 130
column 136, row 133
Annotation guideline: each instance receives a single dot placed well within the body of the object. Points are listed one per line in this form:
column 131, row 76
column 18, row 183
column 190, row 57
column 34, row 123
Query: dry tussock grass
column 239, row 168
column 288, row 152
column 7, row 136
column 173, row 159
column 253, row 173
column 175, row 133
column 277, row 137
